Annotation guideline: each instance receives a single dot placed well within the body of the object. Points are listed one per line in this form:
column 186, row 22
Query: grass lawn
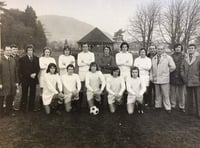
column 81, row 130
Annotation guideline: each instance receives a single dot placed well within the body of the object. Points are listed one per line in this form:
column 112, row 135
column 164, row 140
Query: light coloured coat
column 160, row 73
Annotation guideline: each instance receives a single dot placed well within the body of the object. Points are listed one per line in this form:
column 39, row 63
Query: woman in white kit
column 95, row 83
column 52, row 87
column 72, row 86
column 144, row 65
column 44, row 61
column 135, row 89
column 65, row 59
column 115, row 86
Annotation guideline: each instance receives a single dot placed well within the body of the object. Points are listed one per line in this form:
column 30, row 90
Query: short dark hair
column 46, row 48
column 84, row 44
column 67, row 48
column 154, row 46
column 5, row 47
column 193, row 45
column 178, row 44
column 124, row 43
column 114, row 69
column 70, row 65
column 94, row 64
column 135, row 68
column 13, row 46
column 108, row 48
column 141, row 50
column 52, row 65
column 29, row 46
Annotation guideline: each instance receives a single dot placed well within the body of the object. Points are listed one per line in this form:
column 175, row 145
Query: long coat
column 190, row 70
column 175, row 76
column 161, row 71
column 8, row 76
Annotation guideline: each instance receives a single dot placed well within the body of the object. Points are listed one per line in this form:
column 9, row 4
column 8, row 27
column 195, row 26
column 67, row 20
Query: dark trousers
column 149, row 96
column 193, row 100
column 104, row 99
column 8, row 102
column 31, row 88
column 82, row 102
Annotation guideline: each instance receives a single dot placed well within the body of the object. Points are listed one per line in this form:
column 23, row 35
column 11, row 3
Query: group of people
column 153, row 79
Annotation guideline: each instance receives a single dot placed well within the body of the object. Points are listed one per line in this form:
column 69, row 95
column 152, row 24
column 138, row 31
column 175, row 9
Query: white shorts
column 112, row 99
column 82, row 75
column 69, row 97
column 107, row 76
column 63, row 71
column 91, row 95
column 133, row 99
column 125, row 74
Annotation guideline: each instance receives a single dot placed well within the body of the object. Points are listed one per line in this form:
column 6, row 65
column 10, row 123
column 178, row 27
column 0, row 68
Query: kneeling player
column 135, row 90
column 72, row 86
column 115, row 86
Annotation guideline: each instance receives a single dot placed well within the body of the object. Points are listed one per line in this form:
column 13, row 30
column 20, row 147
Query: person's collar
column 106, row 55
column 6, row 56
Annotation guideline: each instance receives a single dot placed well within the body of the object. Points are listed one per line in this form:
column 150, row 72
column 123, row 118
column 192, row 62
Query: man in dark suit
column 8, row 82
column 29, row 69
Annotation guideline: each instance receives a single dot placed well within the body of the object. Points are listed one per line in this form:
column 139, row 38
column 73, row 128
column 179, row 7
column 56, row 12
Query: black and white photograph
column 99, row 73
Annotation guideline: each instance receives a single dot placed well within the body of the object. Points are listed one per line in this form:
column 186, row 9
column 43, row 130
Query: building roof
column 96, row 36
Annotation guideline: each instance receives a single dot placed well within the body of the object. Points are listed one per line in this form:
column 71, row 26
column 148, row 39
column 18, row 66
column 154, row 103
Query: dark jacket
column 190, row 70
column 106, row 63
column 8, row 76
column 28, row 67
column 175, row 76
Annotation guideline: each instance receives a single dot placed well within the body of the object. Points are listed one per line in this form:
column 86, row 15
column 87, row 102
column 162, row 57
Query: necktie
column 190, row 58
column 158, row 59
column 31, row 58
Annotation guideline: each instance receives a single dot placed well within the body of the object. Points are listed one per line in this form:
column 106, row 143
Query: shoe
column 16, row 109
column 12, row 114
column 182, row 110
column 168, row 111
column 37, row 110
column 58, row 112
column 141, row 112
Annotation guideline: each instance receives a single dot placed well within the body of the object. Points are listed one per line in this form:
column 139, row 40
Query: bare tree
column 179, row 22
column 142, row 26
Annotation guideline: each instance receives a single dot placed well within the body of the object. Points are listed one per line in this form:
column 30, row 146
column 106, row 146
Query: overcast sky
column 108, row 15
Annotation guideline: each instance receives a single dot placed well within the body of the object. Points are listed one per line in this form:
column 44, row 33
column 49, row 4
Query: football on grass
column 94, row 110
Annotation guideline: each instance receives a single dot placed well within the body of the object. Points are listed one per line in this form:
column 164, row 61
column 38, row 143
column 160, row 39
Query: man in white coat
column 162, row 65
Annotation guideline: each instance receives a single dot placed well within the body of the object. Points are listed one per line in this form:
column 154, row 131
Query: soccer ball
column 94, row 110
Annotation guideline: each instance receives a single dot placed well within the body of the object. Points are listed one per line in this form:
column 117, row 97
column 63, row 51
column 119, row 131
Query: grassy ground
column 119, row 130
column 154, row 129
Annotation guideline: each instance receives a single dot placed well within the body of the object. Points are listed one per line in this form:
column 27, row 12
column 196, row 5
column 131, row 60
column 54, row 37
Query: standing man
column 152, row 51
column 162, row 65
column 190, row 72
column 8, row 81
column 84, row 59
column 106, row 64
column 15, row 55
column 176, row 82
column 29, row 69
column 124, row 60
